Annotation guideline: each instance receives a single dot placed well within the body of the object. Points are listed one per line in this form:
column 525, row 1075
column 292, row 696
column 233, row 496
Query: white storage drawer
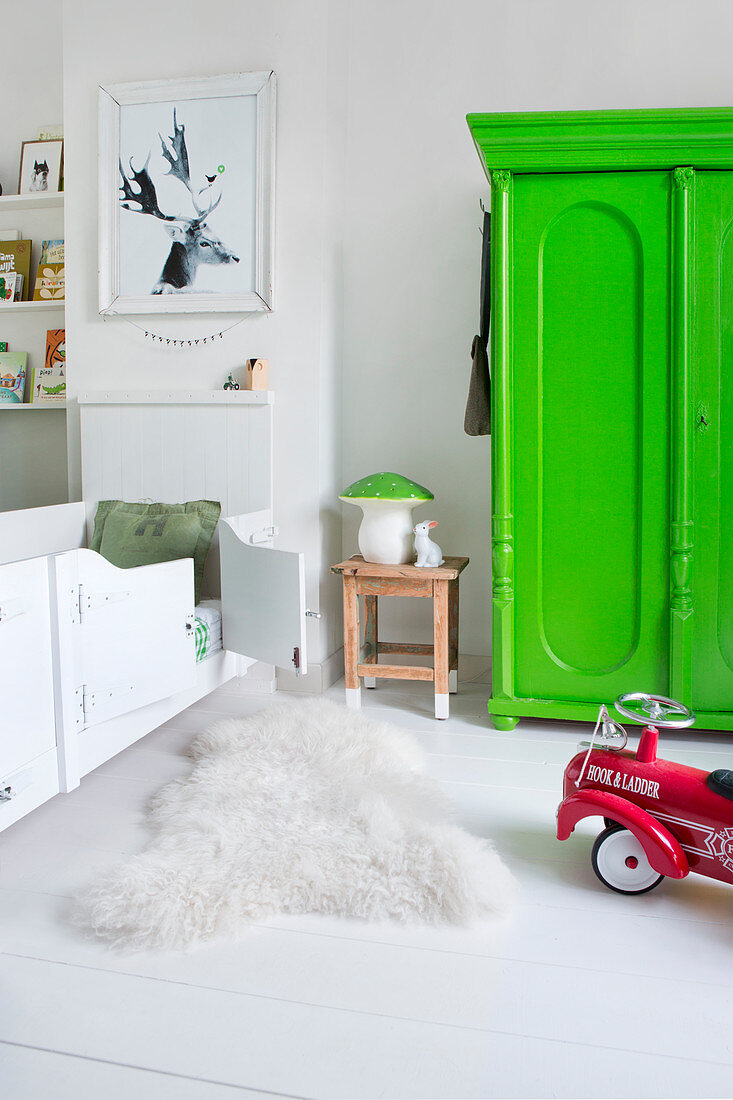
column 28, row 788
column 28, row 758
column 92, row 657
column 27, row 729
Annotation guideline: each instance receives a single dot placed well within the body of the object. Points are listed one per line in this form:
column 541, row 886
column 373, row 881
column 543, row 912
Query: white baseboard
column 317, row 679
column 474, row 668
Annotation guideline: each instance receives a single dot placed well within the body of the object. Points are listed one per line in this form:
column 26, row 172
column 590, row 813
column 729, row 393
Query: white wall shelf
column 177, row 397
column 26, row 307
column 56, row 406
column 40, row 201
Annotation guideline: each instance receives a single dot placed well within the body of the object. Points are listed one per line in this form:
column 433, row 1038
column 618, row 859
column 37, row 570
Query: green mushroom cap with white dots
column 385, row 486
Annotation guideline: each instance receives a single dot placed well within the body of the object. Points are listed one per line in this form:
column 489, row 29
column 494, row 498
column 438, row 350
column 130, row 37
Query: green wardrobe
column 612, row 418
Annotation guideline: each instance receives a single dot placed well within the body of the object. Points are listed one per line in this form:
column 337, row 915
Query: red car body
column 681, row 822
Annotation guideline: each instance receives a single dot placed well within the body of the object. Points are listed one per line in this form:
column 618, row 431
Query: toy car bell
column 662, row 819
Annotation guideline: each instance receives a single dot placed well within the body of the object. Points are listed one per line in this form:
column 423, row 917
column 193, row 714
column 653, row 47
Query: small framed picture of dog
column 41, row 166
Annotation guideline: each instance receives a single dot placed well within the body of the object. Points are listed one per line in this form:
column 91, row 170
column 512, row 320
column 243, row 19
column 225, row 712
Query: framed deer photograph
column 186, row 195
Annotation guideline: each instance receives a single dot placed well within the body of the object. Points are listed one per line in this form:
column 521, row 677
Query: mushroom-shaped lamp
column 386, row 500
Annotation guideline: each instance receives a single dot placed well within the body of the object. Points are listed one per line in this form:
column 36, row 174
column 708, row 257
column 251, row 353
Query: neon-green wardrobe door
column 591, row 393
column 712, row 409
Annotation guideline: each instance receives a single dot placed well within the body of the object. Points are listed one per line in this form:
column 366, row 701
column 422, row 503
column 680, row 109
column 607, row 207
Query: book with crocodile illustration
column 48, row 383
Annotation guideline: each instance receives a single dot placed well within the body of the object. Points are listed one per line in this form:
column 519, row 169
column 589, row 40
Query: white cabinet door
column 262, row 593
column 126, row 636
column 27, row 729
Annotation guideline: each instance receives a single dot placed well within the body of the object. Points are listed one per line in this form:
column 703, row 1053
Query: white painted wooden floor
column 584, row 993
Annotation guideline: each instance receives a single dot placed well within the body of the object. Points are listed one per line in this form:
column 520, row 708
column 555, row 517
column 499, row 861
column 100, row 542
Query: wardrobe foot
column 505, row 722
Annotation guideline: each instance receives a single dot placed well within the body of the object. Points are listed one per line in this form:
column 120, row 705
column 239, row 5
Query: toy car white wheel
column 621, row 863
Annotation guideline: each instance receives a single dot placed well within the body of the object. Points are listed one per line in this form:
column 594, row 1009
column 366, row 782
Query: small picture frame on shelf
column 41, row 164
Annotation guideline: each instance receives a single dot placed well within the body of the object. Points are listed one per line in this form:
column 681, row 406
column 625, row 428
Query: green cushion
column 145, row 534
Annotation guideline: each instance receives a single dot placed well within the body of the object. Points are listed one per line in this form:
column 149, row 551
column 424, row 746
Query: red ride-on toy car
column 663, row 820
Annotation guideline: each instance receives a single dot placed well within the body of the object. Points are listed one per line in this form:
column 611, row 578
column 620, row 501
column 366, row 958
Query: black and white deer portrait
column 193, row 242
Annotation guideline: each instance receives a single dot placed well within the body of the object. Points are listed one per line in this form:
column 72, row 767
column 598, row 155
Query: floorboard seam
column 366, row 1012
column 147, row 1069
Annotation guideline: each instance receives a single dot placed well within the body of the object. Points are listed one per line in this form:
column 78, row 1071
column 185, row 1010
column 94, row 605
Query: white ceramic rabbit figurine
column 429, row 553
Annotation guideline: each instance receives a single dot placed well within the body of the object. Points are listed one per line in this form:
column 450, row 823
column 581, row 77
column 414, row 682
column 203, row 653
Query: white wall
column 411, row 241
column 32, row 444
column 378, row 251
column 174, row 39
column 32, row 68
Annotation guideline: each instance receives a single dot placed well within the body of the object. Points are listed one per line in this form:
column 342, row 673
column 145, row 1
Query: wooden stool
column 367, row 579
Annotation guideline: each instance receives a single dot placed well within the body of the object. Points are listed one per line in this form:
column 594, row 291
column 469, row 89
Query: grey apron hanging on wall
column 477, row 420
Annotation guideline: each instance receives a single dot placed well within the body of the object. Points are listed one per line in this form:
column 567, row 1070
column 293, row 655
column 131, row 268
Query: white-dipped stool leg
column 453, row 682
column 442, row 706
column 353, row 698
column 369, row 681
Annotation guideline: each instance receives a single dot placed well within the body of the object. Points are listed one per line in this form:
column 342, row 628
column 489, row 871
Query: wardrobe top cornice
column 595, row 141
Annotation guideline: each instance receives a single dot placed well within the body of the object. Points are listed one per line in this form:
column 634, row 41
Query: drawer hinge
column 88, row 700
column 10, row 609
column 9, row 790
column 95, row 601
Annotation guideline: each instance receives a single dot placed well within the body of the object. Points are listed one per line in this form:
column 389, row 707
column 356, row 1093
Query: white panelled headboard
column 176, row 446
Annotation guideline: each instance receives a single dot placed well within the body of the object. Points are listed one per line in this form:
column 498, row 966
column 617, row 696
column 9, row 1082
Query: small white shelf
column 44, row 200
column 177, row 397
column 29, row 307
column 27, row 406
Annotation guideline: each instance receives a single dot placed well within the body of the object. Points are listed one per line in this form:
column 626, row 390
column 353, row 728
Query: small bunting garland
column 169, row 341
column 184, row 343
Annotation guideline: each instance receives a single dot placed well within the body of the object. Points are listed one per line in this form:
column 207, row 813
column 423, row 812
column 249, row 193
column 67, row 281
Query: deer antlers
column 146, row 202
column 177, row 157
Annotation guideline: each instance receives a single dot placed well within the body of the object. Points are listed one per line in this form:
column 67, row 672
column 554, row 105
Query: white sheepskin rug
column 301, row 808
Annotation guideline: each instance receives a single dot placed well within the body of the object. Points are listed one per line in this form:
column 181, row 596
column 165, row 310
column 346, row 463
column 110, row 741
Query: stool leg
column 371, row 634
column 441, row 647
column 351, row 643
column 453, row 635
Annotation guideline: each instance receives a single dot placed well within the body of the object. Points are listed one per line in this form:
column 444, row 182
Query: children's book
column 52, row 252
column 50, row 282
column 11, row 287
column 3, row 345
column 55, row 348
column 48, row 386
column 48, row 383
column 13, row 366
column 16, row 256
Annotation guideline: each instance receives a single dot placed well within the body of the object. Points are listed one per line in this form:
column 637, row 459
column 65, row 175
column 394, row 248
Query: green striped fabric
column 202, row 636
column 207, row 629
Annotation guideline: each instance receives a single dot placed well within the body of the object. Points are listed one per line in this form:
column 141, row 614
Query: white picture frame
column 41, row 166
column 186, row 195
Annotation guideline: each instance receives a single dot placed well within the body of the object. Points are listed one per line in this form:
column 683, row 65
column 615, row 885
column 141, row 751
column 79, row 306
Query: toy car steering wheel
column 657, row 710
